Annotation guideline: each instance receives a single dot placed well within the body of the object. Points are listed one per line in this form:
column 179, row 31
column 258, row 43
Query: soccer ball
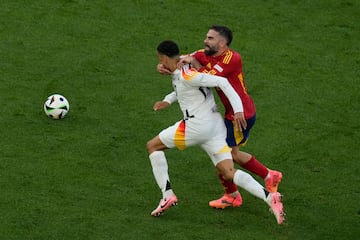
column 56, row 106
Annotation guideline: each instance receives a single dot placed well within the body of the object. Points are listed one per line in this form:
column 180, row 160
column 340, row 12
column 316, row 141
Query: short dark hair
column 223, row 31
column 168, row 48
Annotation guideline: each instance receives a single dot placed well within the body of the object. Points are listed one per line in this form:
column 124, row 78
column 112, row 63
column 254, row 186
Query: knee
column 235, row 153
column 240, row 157
column 234, row 156
column 149, row 147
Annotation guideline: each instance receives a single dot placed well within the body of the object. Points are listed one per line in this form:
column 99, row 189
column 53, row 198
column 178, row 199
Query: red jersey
column 228, row 65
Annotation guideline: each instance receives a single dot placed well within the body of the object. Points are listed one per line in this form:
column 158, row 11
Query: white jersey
column 191, row 90
column 202, row 124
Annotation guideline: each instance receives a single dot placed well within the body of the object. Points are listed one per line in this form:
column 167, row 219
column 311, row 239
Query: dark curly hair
column 168, row 48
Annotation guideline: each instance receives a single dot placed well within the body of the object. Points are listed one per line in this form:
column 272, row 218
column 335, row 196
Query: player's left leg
column 231, row 198
column 247, row 182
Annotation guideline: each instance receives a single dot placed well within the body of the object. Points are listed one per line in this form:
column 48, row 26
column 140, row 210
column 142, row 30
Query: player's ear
column 223, row 42
column 161, row 57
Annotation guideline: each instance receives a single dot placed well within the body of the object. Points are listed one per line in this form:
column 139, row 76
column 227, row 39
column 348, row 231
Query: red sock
column 228, row 185
column 256, row 167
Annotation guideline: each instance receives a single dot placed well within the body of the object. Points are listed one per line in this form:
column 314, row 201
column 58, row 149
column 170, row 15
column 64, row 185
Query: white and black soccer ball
column 56, row 106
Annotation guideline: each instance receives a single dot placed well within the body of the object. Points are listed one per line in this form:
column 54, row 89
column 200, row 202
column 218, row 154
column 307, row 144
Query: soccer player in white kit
column 202, row 125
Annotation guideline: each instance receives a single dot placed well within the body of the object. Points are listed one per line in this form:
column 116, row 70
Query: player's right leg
column 274, row 200
column 164, row 204
column 160, row 171
column 232, row 197
column 247, row 182
column 236, row 138
column 159, row 166
column 247, row 161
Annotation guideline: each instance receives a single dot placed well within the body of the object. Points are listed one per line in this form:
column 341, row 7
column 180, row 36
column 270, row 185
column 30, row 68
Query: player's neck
column 220, row 52
column 173, row 65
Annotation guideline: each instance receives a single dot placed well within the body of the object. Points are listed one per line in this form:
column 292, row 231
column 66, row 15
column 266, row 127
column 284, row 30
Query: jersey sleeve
column 231, row 62
column 195, row 78
column 170, row 98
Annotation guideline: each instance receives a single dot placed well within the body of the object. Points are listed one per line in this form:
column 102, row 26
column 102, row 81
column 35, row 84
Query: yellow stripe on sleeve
column 227, row 57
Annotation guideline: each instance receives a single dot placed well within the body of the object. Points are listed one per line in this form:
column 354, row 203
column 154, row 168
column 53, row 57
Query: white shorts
column 210, row 134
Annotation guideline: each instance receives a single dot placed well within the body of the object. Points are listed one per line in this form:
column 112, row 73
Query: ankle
column 234, row 194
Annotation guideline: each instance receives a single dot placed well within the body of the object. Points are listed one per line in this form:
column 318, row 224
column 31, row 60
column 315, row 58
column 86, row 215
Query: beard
column 210, row 51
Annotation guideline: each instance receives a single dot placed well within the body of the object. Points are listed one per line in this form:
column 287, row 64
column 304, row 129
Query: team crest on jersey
column 218, row 68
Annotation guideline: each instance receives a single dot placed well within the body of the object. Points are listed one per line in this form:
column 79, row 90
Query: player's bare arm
column 189, row 60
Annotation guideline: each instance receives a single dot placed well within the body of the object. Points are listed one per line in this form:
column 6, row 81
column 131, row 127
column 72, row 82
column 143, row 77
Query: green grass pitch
column 88, row 176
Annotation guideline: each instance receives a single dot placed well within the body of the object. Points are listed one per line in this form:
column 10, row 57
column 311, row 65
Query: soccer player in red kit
column 201, row 125
column 218, row 59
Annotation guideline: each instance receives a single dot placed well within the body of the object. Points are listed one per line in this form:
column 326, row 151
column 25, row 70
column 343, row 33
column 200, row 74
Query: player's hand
column 184, row 60
column 240, row 121
column 160, row 105
column 162, row 69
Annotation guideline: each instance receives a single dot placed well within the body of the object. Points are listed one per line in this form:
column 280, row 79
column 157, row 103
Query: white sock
column 247, row 182
column 160, row 170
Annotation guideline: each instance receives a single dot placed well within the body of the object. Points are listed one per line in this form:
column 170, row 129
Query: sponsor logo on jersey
column 218, row 68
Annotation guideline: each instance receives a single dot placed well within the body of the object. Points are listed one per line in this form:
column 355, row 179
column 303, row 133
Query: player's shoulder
column 231, row 56
column 188, row 72
column 235, row 54
column 199, row 52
